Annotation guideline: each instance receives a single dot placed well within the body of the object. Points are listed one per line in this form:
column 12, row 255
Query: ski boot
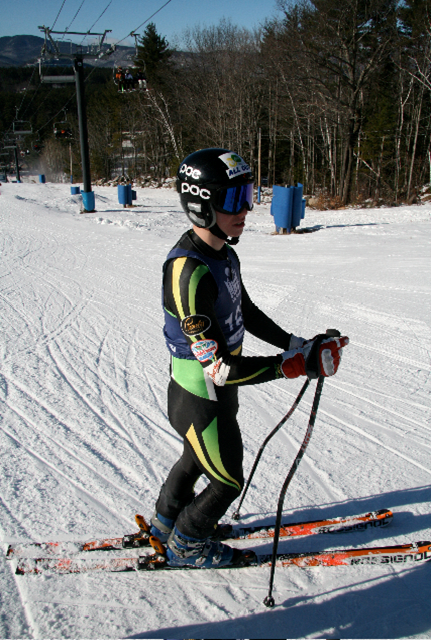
column 161, row 527
column 185, row 551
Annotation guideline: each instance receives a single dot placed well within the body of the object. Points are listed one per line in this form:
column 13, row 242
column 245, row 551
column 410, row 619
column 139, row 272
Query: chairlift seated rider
column 62, row 133
column 142, row 80
column 120, row 78
column 129, row 80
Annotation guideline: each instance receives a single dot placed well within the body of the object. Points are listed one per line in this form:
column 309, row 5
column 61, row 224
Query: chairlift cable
column 64, row 107
column 25, row 91
column 145, row 22
column 73, row 20
column 109, row 3
column 63, row 4
column 19, row 108
column 54, row 117
column 33, row 97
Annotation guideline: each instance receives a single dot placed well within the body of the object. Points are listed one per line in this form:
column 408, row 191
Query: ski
column 337, row 525
column 393, row 554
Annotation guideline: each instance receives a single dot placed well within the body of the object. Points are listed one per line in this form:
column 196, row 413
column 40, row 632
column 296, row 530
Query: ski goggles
column 233, row 200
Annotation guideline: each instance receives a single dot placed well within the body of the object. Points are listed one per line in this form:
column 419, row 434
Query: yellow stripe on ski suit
column 192, row 437
column 211, row 441
column 178, row 265
column 240, row 380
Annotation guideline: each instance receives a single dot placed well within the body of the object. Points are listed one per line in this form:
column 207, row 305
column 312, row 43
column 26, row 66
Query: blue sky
column 123, row 16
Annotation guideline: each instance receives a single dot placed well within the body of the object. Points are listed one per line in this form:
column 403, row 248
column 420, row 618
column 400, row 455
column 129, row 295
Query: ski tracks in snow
column 84, row 428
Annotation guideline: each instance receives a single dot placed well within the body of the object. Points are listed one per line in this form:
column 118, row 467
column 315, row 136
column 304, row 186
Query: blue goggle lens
column 234, row 199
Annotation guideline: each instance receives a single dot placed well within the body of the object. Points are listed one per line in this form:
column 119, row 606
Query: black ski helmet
column 205, row 182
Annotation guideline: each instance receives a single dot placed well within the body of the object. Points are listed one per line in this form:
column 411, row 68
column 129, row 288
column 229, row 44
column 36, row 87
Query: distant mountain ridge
column 19, row 51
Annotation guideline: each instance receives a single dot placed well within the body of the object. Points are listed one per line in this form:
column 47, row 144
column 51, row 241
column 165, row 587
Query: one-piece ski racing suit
column 207, row 310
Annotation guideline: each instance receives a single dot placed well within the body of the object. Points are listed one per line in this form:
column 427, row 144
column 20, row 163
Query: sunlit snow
column 86, row 442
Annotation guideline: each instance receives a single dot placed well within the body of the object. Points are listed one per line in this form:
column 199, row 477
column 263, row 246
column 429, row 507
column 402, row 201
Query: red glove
column 323, row 355
column 320, row 356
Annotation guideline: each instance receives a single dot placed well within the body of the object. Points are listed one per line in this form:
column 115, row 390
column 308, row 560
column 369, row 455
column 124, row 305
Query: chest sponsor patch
column 204, row 350
column 196, row 324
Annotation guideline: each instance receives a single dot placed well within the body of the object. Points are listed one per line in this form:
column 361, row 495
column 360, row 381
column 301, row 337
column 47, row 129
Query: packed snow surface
column 86, row 442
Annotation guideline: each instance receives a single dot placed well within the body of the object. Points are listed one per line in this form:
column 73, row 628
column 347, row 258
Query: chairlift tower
column 78, row 54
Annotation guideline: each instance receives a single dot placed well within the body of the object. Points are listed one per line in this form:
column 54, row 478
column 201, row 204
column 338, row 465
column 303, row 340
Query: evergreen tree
column 153, row 56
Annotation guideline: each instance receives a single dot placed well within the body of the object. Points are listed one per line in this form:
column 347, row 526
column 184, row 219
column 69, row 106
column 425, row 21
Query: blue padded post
column 281, row 207
column 122, row 194
column 88, row 200
column 297, row 205
column 303, row 207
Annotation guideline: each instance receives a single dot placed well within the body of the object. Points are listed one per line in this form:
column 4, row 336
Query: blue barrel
column 134, row 196
column 88, row 200
column 303, row 207
column 297, row 205
column 75, row 191
column 41, row 178
column 281, row 207
column 122, row 193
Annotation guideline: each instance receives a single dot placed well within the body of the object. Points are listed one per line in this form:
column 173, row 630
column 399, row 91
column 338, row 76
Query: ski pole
column 269, row 600
column 236, row 514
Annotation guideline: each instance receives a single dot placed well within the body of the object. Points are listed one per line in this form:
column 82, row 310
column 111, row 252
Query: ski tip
column 424, row 544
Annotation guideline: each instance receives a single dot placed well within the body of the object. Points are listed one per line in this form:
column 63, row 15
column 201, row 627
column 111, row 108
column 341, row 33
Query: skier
column 207, row 310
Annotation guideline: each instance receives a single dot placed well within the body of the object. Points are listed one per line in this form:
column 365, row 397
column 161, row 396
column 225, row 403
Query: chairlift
column 9, row 142
column 125, row 85
column 62, row 132
column 22, row 127
column 36, row 145
column 55, row 80
column 62, row 129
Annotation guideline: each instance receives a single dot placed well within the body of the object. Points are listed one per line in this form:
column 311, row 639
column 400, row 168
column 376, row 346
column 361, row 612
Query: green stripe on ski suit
column 193, row 285
column 190, row 375
column 193, row 440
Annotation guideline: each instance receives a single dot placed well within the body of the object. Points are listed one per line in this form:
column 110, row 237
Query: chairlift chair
column 36, row 144
column 62, row 129
column 9, row 143
column 55, row 80
column 22, row 127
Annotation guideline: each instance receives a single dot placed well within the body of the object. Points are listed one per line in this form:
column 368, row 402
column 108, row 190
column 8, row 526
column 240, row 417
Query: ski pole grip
column 333, row 332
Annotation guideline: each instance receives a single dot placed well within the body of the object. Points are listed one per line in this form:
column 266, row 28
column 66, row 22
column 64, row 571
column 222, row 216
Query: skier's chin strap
column 217, row 231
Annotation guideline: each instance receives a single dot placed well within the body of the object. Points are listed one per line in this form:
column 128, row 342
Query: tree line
column 338, row 92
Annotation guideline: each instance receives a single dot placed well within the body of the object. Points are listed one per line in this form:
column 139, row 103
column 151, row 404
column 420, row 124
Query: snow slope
column 86, row 442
